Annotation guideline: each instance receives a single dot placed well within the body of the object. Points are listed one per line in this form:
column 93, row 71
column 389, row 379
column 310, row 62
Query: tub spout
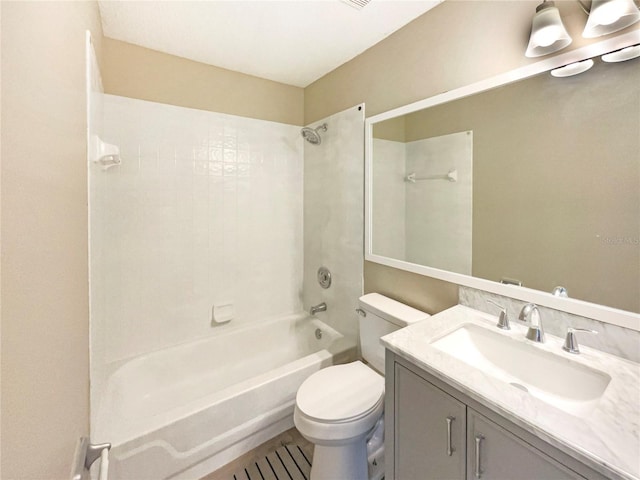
column 321, row 307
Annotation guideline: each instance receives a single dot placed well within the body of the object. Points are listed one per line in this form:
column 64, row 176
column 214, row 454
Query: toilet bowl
column 336, row 409
column 340, row 408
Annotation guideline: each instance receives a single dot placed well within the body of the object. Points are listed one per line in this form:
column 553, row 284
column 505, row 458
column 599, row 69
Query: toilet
column 340, row 408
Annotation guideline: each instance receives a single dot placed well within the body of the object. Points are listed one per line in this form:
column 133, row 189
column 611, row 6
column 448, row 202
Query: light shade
column 608, row 16
column 572, row 69
column 548, row 34
column 622, row 55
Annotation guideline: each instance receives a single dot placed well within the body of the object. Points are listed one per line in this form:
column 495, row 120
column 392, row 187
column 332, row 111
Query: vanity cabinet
column 429, row 442
column 435, row 432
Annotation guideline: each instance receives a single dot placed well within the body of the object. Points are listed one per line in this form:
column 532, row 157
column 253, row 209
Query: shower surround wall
column 439, row 212
column 390, row 201
column 205, row 209
column 334, row 218
column 205, row 215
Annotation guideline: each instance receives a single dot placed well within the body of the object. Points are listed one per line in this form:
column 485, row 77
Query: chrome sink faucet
column 321, row 307
column 530, row 316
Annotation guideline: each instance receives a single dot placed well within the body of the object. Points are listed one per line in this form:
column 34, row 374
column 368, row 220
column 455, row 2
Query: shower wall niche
column 205, row 210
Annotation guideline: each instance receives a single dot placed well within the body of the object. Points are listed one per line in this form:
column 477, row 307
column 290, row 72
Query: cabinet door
column 429, row 433
column 495, row 454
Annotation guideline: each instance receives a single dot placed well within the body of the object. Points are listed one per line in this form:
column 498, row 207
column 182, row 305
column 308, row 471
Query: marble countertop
column 607, row 439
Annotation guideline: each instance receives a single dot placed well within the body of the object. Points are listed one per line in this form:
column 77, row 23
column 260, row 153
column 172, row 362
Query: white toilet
column 340, row 408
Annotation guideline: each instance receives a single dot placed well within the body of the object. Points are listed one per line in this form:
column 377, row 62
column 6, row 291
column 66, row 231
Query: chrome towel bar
column 85, row 455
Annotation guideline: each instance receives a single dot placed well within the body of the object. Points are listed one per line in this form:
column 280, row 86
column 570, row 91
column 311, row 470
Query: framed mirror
column 517, row 185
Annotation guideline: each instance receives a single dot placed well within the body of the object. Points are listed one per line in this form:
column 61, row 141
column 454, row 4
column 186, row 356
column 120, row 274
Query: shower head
column 312, row 135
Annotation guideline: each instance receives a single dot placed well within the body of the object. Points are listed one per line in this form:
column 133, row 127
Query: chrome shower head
column 312, row 135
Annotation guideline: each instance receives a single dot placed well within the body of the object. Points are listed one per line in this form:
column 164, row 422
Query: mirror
column 535, row 181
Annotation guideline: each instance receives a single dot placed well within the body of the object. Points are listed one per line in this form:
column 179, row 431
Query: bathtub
column 187, row 410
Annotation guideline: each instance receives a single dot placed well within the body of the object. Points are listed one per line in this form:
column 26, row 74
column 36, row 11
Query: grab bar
column 451, row 175
column 86, row 454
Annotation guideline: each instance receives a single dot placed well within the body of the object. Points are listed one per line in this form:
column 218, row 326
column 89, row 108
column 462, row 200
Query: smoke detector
column 358, row 4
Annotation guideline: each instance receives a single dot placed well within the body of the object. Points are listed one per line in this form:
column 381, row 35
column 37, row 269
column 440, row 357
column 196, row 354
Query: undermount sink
column 554, row 379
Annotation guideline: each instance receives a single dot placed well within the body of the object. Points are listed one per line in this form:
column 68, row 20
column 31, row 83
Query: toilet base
column 343, row 461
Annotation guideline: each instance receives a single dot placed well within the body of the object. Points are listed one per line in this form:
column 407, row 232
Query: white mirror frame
column 577, row 307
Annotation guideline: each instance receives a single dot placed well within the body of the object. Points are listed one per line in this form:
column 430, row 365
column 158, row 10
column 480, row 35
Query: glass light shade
column 608, row 16
column 572, row 69
column 622, row 55
column 548, row 34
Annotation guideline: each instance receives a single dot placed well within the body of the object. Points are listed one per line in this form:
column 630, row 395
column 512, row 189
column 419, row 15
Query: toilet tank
column 382, row 315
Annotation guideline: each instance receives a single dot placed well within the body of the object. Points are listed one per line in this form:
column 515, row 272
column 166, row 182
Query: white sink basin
column 554, row 379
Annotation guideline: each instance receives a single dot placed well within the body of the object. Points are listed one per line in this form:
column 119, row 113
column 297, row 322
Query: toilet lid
column 340, row 393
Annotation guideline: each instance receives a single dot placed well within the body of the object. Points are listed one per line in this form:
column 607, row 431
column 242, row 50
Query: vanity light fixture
column 548, row 34
column 572, row 69
column 608, row 16
column 622, row 55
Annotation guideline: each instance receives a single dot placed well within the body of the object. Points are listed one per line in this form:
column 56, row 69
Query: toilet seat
column 341, row 393
column 339, row 404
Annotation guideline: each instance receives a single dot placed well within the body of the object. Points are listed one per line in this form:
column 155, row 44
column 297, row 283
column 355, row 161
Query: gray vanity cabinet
column 435, row 432
column 429, row 442
column 495, row 454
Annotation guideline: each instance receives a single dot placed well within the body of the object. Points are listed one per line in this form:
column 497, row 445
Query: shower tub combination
column 184, row 411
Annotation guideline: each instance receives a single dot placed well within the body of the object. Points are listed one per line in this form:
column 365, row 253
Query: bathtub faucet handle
column 321, row 307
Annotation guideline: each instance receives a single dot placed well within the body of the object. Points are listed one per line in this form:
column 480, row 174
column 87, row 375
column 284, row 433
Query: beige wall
column 448, row 47
column 45, row 325
column 424, row 293
column 137, row 72
column 392, row 129
column 455, row 44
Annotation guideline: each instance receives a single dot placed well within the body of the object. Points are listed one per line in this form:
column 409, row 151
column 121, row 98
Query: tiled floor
column 286, row 457
column 288, row 462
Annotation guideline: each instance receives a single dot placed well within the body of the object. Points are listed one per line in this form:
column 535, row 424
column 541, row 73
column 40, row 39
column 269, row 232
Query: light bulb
column 547, row 35
column 608, row 16
column 608, row 13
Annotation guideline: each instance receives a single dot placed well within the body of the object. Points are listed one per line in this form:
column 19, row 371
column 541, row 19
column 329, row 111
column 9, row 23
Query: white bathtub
column 187, row 410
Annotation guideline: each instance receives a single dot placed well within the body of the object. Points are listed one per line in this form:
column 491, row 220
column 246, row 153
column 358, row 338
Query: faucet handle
column 560, row 291
column 571, row 342
column 503, row 319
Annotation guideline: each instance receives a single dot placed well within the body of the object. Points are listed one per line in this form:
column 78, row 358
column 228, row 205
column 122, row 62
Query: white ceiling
column 289, row 41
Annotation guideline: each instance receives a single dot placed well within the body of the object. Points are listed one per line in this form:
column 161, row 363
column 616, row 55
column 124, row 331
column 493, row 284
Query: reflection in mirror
column 423, row 204
column 547, row 190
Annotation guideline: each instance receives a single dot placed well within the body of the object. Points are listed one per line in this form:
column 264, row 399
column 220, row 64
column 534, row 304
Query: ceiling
column 289, row 41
